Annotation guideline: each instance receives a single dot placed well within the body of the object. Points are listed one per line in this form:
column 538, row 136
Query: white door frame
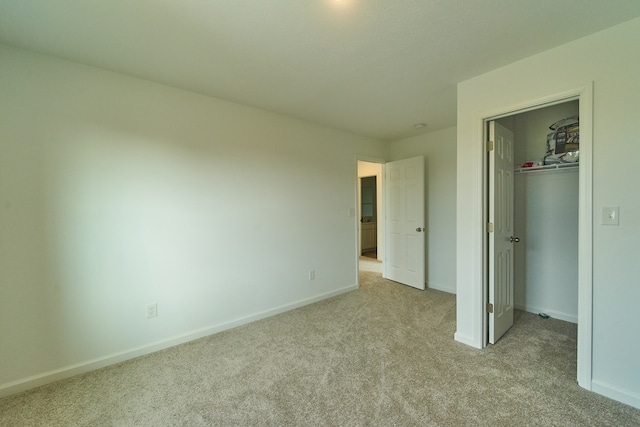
column 585, row 219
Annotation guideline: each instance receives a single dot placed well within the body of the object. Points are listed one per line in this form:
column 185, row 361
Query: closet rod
column 547, row 168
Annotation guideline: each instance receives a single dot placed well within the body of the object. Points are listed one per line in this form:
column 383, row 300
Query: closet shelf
column 547, row 168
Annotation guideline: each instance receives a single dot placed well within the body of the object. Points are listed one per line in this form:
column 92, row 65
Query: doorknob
column 514, row 239
column 418, row 229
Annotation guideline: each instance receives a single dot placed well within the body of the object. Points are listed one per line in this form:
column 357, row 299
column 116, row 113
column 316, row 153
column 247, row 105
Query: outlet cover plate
column 152, row 310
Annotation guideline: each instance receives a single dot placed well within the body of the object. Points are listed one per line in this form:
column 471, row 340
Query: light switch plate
column 610, row 215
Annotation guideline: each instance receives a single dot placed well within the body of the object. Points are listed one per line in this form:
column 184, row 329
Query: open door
column 404, row 185
column 500, row 229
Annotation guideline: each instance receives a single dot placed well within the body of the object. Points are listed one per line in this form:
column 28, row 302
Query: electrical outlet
column 152, row 310
column 312, row 275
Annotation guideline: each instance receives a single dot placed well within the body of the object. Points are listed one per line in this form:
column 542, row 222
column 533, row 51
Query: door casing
column 584, row 94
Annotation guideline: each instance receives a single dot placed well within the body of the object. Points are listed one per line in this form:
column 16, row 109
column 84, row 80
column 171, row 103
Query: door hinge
column 489, row 308
column 489, row 145
column 489, row 227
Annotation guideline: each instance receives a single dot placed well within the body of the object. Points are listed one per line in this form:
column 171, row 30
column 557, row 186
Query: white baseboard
column 465, row 339
column 614, row 393
column 91, row 365
column 554, row 314
column 442, row 288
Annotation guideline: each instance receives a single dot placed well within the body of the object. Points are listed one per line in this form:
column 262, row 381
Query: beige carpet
column 370, row 265
column 383, row 355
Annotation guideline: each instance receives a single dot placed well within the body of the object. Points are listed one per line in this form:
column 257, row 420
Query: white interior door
column 404, row 219
column 501, row 239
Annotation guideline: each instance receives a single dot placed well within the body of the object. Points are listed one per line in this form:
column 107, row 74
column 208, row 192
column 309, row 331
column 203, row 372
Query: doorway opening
column 539, row 185
column 370, row 209
column 368, row 217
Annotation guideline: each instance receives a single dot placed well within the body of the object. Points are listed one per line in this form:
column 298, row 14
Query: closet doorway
column 536, row 270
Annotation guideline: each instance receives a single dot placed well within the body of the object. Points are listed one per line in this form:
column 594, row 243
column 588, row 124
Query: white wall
column 546, row 259
column 117, row 192
column 439, row 151
column 369, row 169
column 611, row 59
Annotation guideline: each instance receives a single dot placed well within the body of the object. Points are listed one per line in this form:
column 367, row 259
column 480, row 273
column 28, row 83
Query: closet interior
column 546, row 209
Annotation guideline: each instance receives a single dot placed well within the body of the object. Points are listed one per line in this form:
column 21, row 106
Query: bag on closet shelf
column 563, row 144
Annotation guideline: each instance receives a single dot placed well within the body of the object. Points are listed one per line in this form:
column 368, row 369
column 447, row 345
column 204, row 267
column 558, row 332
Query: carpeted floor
column 383, row 355
column 370, row 265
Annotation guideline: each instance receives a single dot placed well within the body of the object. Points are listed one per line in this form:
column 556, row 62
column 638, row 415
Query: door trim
column 584, row 94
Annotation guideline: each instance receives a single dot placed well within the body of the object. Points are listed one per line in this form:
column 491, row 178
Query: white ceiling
column 372, row 67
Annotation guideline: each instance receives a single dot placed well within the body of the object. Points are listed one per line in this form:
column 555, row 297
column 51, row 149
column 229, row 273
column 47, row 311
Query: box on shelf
column 563, row 144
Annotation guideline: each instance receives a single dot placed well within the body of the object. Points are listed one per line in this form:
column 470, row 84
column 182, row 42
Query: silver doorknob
column 514, row 239
column 418, row 229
